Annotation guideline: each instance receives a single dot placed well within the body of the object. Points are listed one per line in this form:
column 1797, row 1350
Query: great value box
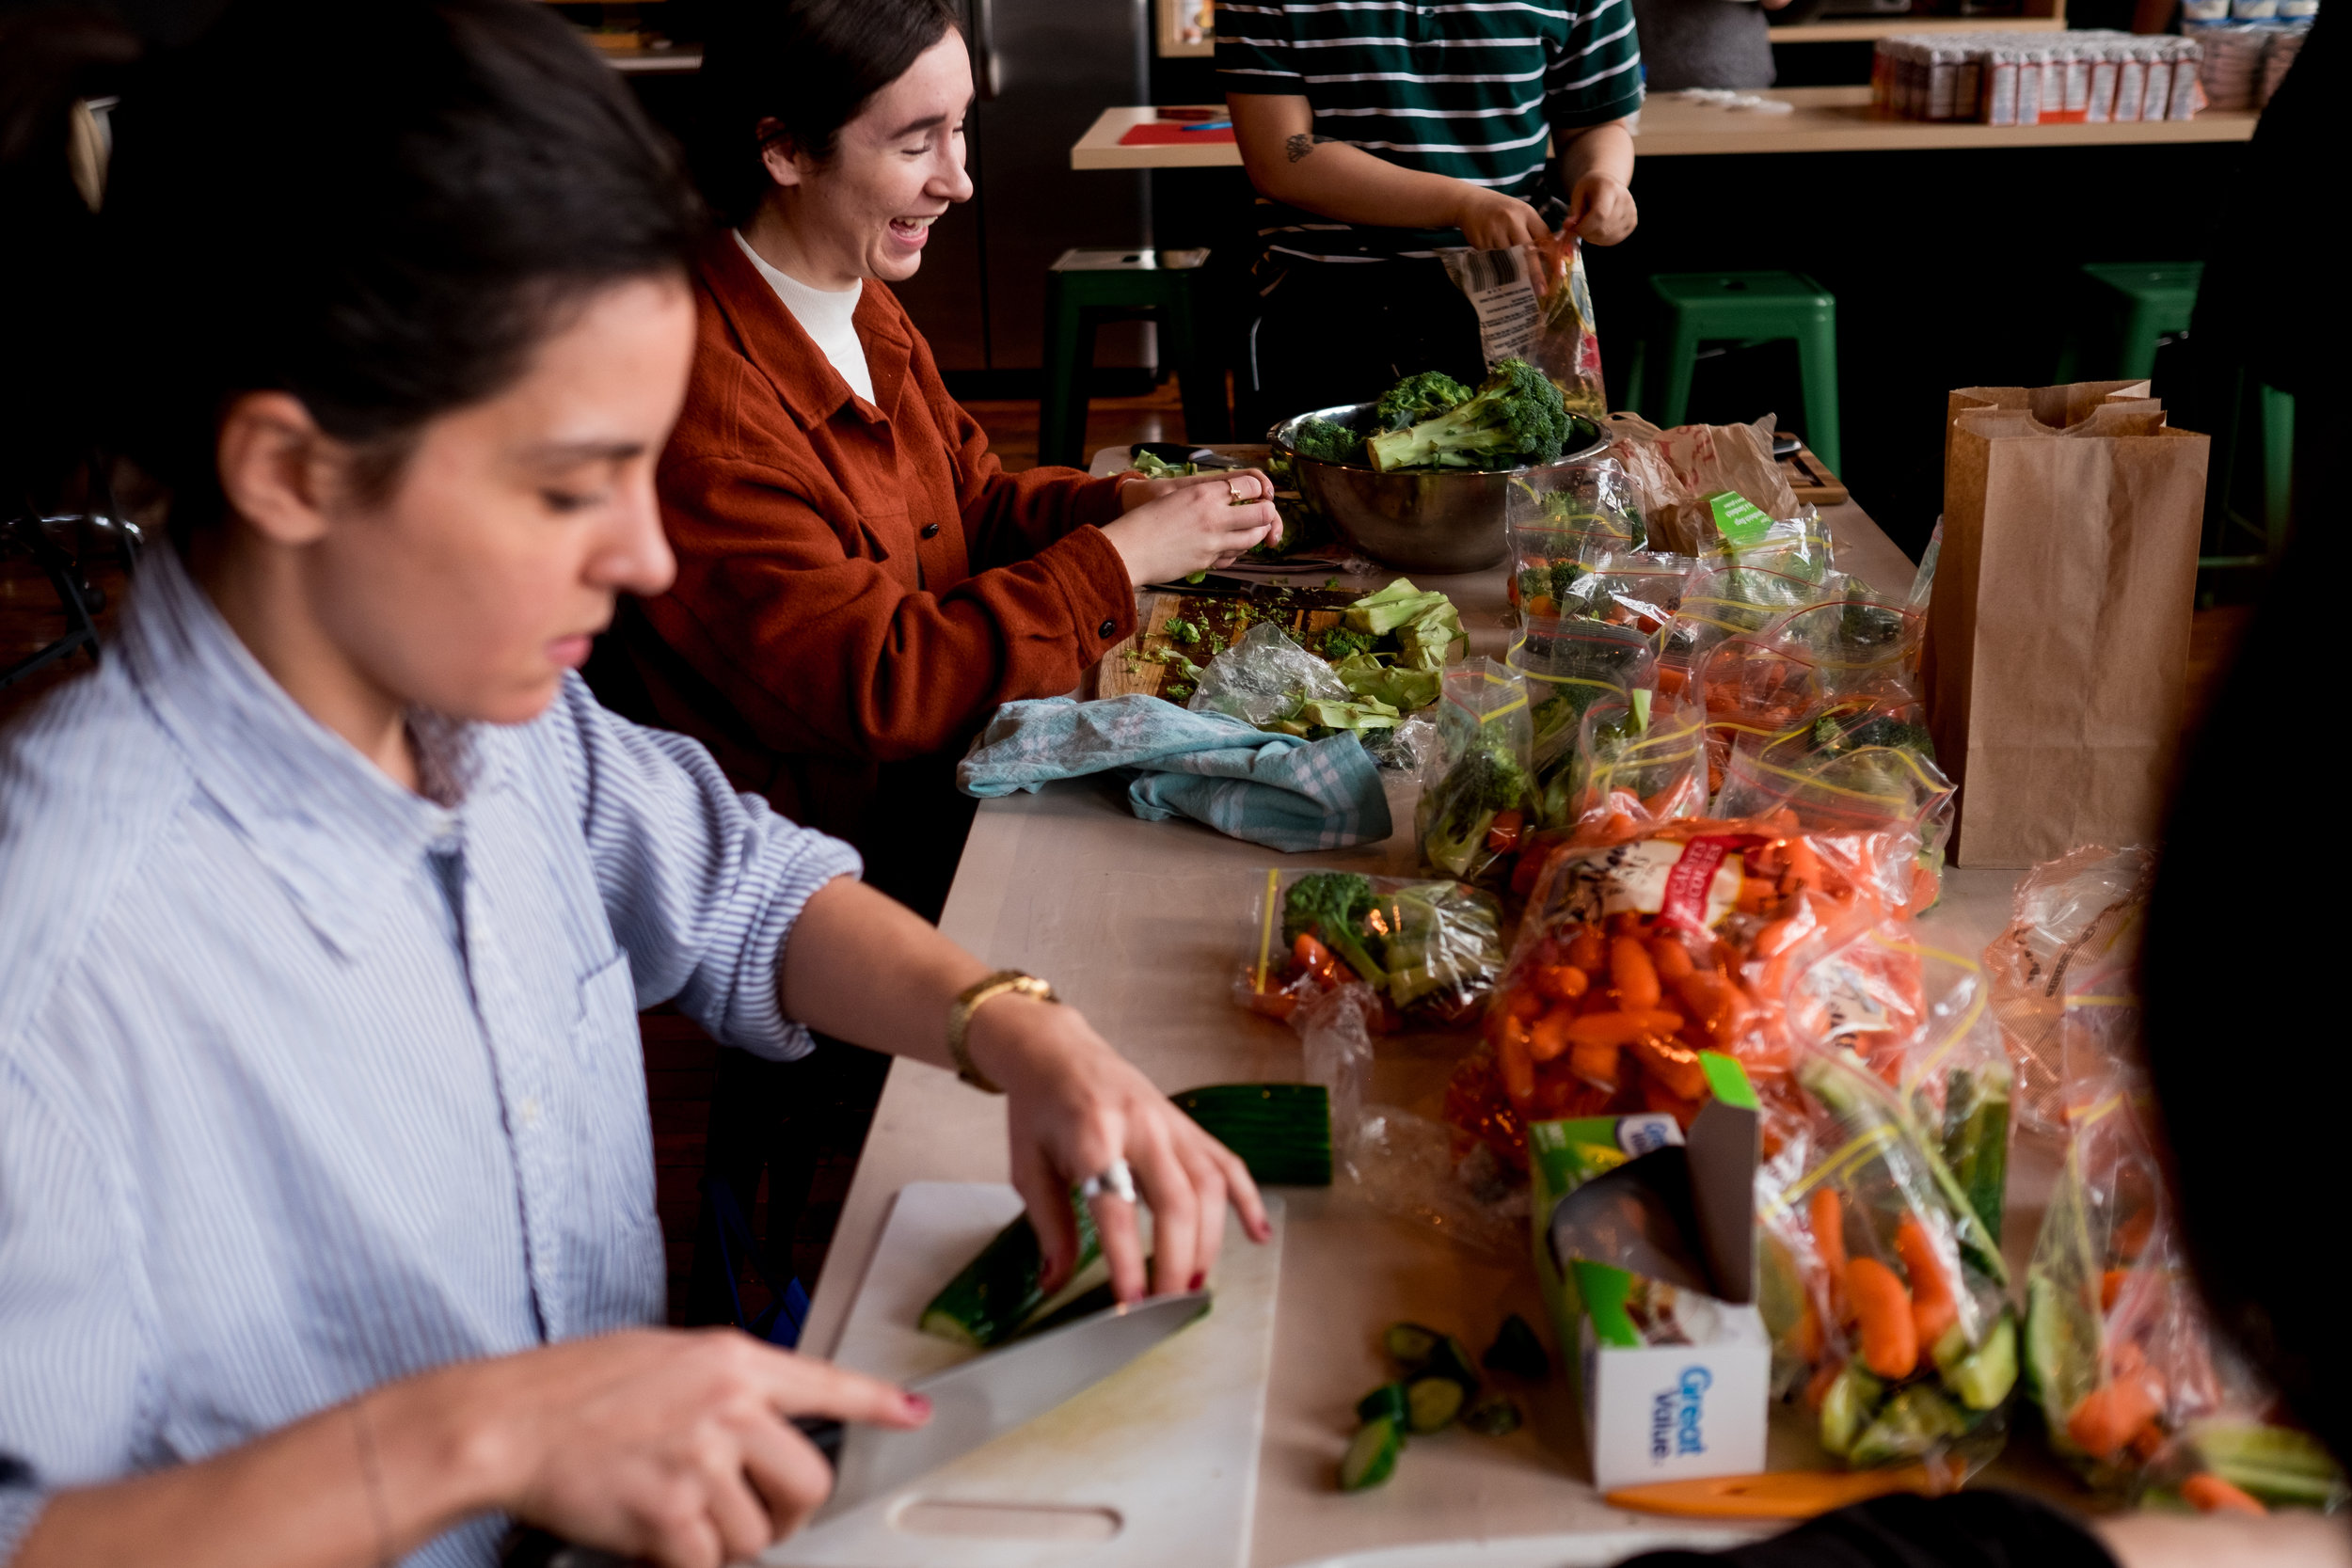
column 1644, row 1243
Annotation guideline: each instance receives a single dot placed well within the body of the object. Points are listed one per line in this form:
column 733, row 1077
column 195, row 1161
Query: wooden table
column 1138, row 924
column 1824, row 119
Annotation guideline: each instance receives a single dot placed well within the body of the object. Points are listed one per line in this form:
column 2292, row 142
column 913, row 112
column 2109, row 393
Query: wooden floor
column 679, row 1058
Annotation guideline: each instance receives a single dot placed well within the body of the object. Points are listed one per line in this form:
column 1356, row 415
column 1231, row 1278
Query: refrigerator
column 1041, row 71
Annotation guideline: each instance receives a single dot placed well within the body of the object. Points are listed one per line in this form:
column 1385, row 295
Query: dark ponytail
column 378, row 209
column 809, row 66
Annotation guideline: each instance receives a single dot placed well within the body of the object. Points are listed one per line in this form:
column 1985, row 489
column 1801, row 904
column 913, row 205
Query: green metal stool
column 1087, row 287
column 1689, row 309
column 2228, row 527
column 2127, row 310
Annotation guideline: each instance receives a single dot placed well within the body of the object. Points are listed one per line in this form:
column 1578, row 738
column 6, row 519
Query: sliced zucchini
column 1492, row 1417
column 998, row 1293
column 1914, row 1424
column 1432, row 1402
column 1387, row 1399
column 1981, row 1378
column 1853, row 1400
column 1370, row 1458
column 1517, row 1351
column 1410, row 1345
column 1282, row 1131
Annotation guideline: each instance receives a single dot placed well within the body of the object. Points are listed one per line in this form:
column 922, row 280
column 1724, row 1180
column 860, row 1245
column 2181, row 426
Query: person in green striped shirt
column 1379, row 132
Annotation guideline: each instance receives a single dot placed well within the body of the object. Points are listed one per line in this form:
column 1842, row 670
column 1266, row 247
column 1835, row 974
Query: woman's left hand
column 1075, row 1109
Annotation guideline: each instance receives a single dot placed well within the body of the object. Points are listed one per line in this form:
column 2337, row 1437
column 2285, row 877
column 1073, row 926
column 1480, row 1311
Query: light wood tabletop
column 1820, row 120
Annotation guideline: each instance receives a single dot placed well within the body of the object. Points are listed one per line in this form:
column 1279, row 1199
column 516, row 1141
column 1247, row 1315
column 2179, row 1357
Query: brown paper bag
column 2057, row 639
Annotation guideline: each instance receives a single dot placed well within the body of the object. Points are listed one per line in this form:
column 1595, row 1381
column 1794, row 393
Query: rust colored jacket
column 858, row 586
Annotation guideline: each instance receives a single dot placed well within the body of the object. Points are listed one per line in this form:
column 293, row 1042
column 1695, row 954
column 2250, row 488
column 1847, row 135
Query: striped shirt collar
column 330, row 824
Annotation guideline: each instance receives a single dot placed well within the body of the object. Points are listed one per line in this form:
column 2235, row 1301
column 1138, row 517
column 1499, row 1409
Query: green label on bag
column 1738, row 518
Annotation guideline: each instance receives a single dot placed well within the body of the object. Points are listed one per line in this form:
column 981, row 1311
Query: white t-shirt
column 824, row 315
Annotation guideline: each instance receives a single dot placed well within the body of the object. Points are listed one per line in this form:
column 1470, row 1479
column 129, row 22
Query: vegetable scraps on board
column 1436, row 1387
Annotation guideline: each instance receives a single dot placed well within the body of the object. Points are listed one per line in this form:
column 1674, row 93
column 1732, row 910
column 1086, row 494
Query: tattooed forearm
column 1300, row 146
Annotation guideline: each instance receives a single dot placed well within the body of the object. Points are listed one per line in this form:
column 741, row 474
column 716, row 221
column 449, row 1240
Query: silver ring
column 1114, row 1179
column 1232, row 494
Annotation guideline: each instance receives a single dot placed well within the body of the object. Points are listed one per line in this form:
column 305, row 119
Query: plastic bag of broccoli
column 1474, row 813
column 1534, row 303
column 1569, row 667
column 1645, row 756
column 1430, row 950
column 1558, row 519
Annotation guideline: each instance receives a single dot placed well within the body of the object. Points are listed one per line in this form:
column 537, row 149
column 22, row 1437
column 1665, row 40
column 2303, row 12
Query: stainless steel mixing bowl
column 1449, row 521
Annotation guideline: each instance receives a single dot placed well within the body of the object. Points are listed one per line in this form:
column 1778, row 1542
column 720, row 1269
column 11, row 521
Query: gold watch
column 960, row 1013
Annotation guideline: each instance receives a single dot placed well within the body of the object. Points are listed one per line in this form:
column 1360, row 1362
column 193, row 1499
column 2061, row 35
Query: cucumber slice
column 1852, row 1401
column 1410, row 1345
column 1432, row 1402
column 2279, row 1466
column 1981, row 1378
column 1371, row 1457
column 1492, row 1417
column 1915, row 1423
column 1449, row 1359
column 1517, row 1351
column 999, row 1292
column 1282, row 1131
column 1387, row 1399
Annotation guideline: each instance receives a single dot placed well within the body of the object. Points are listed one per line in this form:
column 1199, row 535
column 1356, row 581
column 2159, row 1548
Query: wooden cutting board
column 1810, row 477
column 1135, row 665
column 1155, row 1467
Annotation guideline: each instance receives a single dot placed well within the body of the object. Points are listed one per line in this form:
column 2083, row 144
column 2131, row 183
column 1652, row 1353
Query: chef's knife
column 972, row 1403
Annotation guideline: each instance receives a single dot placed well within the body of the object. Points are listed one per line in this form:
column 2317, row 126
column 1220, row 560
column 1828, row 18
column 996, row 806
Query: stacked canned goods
column 2089, row 77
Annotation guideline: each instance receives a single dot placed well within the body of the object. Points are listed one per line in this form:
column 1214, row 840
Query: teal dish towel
column 1277, row 790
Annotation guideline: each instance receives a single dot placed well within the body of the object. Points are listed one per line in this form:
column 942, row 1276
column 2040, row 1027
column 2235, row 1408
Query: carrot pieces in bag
column 1431, row 951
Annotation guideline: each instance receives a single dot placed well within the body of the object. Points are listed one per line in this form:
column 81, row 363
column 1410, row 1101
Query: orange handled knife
column 1774, row 1495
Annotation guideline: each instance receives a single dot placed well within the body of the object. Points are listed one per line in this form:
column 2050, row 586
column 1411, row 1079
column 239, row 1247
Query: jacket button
column 1107, row 628
column 930, row 531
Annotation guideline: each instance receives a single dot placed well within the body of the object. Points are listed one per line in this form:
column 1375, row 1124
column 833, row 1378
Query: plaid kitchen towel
column 1272, row 789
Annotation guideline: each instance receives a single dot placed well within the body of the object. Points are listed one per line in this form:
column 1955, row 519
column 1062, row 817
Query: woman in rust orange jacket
column 859, row 581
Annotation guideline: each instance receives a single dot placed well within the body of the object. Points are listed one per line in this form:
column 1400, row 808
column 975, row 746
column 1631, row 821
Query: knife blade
column 972, row 1403
column 976, row 1401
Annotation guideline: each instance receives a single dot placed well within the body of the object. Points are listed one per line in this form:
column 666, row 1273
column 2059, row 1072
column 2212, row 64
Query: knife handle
column 529, row 1546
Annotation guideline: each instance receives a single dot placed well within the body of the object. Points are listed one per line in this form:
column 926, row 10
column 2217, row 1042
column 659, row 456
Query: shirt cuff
column 19, row 1507
column 1092, row 576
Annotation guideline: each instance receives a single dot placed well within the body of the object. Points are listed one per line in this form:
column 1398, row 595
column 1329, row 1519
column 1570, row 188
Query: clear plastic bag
column 1570, row 667
column 1646, row 757
column 1534, row 303
column 1473, row 813
column 1885, row 1295
column 1431, row 951
column 1263, row 678
column 2063, row 966
column 1559, row 518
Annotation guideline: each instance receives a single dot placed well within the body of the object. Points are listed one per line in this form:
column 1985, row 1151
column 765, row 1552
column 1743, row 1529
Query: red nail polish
column 918, row 1406
column 1197, row 1280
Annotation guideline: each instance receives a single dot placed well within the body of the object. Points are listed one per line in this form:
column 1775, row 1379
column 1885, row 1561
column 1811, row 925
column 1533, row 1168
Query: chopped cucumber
column 1449, row 1359
column 1913, row 1425
column 1410, row 1345
column 1282, row 1131
column 2063, row 1342
column 1517, row 1351
column 1492, row 1417
column 999, row 1292
column 1432, row 1403
column 1370, row 1458
column 1387, row 1399
column 1982, row 1377
column 1852, row 1401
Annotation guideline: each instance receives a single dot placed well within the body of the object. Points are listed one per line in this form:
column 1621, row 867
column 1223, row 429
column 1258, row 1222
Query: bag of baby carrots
column 1886, row 1294
column 1644, row 943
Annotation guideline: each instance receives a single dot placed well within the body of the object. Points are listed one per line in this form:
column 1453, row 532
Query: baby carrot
column 1550, row 1035
column 1828, row 1217
column 1671, row 958
column 1562, row 982
column 1528, row 1005
column 1674, row 1066
column 1310, row 954
column 2111, row 1416
column 2111, row 1286
column 2209, row 1494
column 1596, row 1064
column 1890, row 1340
column 1621, row 1028
column 1803, row 869
column 1635, row 977
column 1588, row 952
column 1933, row 1307
column 1518, row 1069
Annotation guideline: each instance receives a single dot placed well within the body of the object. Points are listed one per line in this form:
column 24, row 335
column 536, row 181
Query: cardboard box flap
column 1637, row 1217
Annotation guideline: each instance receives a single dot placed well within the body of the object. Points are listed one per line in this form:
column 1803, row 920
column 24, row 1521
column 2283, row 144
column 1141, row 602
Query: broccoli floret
column 1339, row 643
column 1182, row 630
column 1331, row 906
column 1485, row 781
column 1829, row 735
column 1516, row 418
column 1419, row 397
column 1327, row 441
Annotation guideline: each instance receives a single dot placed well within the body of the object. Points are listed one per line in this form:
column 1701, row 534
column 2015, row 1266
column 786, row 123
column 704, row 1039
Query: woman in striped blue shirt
column 1377, row 134
column 329, row 903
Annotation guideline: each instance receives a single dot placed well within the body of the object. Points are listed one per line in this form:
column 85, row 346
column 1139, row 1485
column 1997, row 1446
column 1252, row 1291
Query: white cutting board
column 1155, row 1467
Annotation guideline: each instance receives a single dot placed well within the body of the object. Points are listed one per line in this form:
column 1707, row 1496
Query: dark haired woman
column 326, row 904
column 859, row 583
